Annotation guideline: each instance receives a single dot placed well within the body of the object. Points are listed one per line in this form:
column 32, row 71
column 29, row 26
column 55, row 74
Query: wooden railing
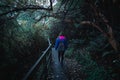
column 39, row 70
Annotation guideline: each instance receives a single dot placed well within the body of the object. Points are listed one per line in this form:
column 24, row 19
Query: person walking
column 61, row 46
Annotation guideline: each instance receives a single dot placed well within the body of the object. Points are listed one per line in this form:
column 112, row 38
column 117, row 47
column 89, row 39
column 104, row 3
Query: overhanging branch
column 28, row 7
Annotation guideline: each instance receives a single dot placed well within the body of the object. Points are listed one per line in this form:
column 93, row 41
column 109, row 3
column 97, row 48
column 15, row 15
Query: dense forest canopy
column 91, row 26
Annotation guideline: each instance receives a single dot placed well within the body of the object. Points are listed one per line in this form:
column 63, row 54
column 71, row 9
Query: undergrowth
column 92, row 70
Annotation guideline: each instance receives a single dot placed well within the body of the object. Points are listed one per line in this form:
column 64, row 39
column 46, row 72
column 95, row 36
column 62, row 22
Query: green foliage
column 90, row 67
column 69, row 52
column 97, row 43
column 21, row 44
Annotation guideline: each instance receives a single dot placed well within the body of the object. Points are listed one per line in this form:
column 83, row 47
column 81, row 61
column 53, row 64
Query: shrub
column 90, row 67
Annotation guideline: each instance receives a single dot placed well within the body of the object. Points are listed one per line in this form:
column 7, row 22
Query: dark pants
column 61, row 56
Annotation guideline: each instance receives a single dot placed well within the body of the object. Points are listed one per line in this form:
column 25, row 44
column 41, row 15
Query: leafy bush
column 20, row 46
column 90, row 67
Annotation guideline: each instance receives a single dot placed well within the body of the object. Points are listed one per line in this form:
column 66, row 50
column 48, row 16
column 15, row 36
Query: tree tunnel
column 91, row 27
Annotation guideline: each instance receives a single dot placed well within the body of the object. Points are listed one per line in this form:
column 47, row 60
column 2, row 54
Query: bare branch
column 108, row 34
column 28, row 7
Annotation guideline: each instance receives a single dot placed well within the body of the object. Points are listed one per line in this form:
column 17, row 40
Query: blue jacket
column 58, row 40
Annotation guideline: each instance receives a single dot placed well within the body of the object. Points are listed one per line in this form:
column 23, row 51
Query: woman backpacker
column 61, row 46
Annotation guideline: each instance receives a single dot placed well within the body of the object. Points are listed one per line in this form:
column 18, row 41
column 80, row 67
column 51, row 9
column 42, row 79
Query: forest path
column 58, row 71
column 70, row 70
column 73, row 69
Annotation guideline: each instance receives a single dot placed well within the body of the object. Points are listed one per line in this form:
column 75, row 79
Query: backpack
column 61, row 46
